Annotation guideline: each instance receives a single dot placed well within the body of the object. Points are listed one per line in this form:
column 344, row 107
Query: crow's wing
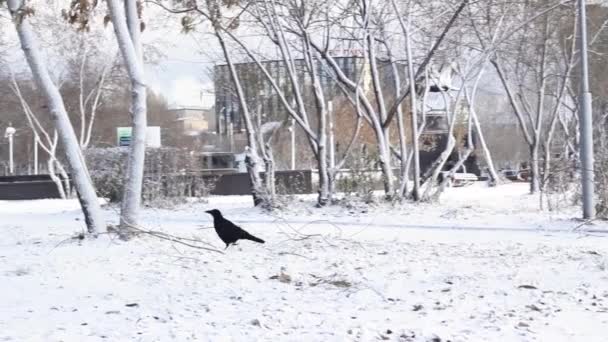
column 228, row 231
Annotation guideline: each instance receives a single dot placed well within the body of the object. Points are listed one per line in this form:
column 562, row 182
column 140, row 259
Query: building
column 192, row 120
column 262, row 97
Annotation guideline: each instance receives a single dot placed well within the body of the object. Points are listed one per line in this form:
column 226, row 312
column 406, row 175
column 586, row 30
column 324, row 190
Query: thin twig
column 173, row 238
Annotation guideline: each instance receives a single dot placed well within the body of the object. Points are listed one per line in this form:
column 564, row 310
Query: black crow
column 228, row 231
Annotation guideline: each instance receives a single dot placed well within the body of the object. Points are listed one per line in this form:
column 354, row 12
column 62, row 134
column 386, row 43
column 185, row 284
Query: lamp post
column 292, row 130
column 36, row 142
column 586, row 123
column 9, row 133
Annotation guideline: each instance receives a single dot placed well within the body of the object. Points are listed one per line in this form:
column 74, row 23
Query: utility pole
column 586, row 123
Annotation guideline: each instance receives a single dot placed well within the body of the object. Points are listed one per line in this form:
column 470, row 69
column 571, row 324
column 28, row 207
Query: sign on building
column 123, row 135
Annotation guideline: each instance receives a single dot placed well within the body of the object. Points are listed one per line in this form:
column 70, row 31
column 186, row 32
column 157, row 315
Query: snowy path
column 575, row 229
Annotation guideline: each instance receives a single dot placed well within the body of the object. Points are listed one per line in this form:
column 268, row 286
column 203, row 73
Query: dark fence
column 287, row 182
column 27, row 187
column 235, row 183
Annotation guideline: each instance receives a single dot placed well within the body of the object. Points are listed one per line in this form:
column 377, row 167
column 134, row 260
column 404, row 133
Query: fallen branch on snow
column 192, row 243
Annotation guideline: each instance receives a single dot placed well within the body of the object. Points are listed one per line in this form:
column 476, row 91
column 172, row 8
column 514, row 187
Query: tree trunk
column 251, row 164
column 382, row 132
column 322, row 115
column 51, row 166
column 438, row 166
column 385, row 166
column 461, row 160
column 486, row 151
column 413, row 114
column 269, row 171
column 534, row 169
column 80, row 174
column 127, row 30
column 323, row 198
column 401, row 132
column 482, row 141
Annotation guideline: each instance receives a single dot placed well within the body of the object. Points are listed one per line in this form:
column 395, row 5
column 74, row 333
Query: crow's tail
column 253, row 238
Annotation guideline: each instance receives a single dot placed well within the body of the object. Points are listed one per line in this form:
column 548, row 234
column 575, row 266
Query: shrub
column 166, row 175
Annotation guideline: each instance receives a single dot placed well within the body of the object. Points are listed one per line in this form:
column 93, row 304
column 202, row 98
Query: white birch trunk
column 80, row 175
column 35, row 126
column 401, row 132
column 555, row 115
column 91, row 108
column 484, row 147
column 382, row 132
column 461, row 160
column 321, row 109
column 540, row 110
column 414, row 115
column 81, row 104
column 127, row 30
column 445, row 154
column 51, row 166
column 473, row 113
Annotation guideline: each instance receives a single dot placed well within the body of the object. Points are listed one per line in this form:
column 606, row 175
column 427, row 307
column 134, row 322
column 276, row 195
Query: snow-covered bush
column 168, row 176
column 359, row 183
column 601, row 165
column 560, row 187
column 106, row 166
column 601, row 183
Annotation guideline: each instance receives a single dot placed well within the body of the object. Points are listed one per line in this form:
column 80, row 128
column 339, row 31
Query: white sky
column 183, row 72
column 180, row 73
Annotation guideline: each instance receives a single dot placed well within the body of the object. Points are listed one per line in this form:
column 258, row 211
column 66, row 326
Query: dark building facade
column 262, row 97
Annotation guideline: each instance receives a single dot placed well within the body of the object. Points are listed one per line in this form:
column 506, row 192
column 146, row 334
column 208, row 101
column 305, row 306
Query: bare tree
column 86, row 192
column 271, row 16
column 48, row 144
column 213, row 11
column 367, row 17
column 527, row 81
column 127, row 27
column 89, row 99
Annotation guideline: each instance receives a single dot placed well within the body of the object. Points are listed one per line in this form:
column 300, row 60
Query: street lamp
column 9, row 133
column 292, row 131
column 36, row 142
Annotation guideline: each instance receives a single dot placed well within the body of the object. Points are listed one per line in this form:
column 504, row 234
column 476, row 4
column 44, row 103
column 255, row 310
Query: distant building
column 261, row 96
column 192, row 120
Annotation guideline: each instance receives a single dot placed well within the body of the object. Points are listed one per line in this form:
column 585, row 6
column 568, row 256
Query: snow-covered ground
column 483, row 265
